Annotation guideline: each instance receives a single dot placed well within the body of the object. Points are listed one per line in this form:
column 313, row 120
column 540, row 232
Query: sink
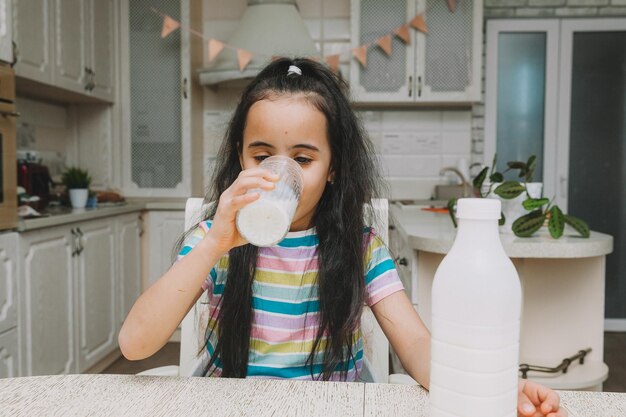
column 446, row 192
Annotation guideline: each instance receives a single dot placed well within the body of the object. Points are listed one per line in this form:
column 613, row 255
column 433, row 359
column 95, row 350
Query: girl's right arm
column 159, row 310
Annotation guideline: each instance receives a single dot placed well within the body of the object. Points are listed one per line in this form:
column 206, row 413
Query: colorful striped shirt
column 285, row 303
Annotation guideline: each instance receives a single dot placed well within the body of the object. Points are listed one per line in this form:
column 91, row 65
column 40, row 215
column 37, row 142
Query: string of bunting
column 215, row 47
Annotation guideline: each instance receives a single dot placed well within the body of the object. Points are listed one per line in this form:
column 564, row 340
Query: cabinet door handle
column 419, row 86
column 185, row 88
column 79, row 233
column 74, row 244
column 16, row 54
column 10, row 113
column 410, row 85
column 93, row 80
column 401, row 261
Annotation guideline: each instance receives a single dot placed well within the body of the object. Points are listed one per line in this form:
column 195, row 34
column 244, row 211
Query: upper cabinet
column 441, row 66
column 69, row 44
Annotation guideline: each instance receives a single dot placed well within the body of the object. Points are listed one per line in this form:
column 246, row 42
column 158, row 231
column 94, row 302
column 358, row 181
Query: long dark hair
column 339, row 220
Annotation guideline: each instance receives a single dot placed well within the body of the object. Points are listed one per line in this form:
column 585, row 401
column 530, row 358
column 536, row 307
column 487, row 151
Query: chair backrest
column 375, row 344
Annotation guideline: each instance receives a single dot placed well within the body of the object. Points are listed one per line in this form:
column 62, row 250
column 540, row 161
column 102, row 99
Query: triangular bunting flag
column 169, row 26
column 333, row 62
column 244, row 58
column 360, row 54
column 419, row 23
column 451, row 5
column 403, row 33
column 385, row 44
column 215, row 47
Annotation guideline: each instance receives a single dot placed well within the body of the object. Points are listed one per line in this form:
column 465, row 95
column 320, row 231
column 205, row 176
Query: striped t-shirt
column 285, row 303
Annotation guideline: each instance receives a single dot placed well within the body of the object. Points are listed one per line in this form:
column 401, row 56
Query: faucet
column 464, row 183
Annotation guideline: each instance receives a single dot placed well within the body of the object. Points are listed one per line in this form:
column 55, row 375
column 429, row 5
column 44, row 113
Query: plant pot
column 78, row 197
column 513, row 209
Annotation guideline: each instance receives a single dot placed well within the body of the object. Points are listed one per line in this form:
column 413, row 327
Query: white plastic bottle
column 476, row 307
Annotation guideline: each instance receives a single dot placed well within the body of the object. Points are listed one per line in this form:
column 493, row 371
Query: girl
column 293, row 310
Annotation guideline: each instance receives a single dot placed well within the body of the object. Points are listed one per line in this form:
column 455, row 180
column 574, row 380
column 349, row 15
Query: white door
column 101, row 19
column 521, row 95
column 32, row 34
column 386, row 78
column 47, row 305
column 8, row 281
column 128, row 231
column 555, row 88
column 96, row 277
column 71, row 64
column 9, row 354
column 165, row 228
column 591, row 173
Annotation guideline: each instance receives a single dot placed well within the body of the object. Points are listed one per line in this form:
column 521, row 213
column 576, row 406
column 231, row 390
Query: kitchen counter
column 434, row 232
column 562, row 283
column 65, row 215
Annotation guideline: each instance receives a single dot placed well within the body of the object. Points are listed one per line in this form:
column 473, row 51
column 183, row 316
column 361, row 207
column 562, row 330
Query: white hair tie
column 294, row 70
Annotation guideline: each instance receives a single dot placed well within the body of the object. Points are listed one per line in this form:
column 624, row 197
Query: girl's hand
column 535, row 400
column 224, row 231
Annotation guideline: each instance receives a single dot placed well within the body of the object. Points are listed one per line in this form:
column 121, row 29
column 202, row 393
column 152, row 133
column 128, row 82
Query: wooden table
column 129, row 395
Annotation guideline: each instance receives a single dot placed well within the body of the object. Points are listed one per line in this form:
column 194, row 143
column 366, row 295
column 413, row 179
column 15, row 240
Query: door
column 128, row 231
column 96, row 273
column 101, row 23
column 47, row 303
column 70, row 45
column 8, row 281
column 32, row 35
column 386, row 78
column 591, row 167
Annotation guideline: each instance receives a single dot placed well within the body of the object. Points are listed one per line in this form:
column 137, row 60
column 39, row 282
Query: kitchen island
column 562, row 285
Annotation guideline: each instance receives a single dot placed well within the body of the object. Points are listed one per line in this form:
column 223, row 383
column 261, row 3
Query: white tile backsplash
column 425, row 121
column 411, row 143
column 410, row 165
column 457, row 142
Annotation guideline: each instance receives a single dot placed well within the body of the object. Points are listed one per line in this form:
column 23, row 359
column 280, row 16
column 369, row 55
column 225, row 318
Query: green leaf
column 480, row 178
column 516, row 165
column 534, row 203
column 578, row 224
column 509, row 189
column 526, row 225
column 502, row 219
column 530, row 167
column 496, row 177
column 451, row 204
column 556, row 223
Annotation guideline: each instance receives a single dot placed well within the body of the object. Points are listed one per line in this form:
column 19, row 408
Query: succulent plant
column 75, row 177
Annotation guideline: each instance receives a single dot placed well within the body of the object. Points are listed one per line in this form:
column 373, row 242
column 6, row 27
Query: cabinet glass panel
column 448, row 46
column 521, row 98
column 383, row 73
column 155, row 95
column 597, row 157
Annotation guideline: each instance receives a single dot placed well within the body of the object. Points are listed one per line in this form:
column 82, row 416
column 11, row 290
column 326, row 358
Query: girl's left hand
column 535, row 400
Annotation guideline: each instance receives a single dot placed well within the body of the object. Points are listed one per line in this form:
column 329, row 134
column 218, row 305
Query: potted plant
column 77, row 181
column 530, row 209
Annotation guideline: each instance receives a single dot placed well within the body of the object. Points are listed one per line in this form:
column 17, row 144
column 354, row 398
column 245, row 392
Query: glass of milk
column 266, row 221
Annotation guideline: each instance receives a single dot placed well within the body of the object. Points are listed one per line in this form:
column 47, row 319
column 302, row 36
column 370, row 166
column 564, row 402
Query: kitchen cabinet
column 32, row 34
column 9, row 363
column 75, row 281
column 96, row 277
column 443, row 66
column 163, row 229
column 47, row 301
column 69, row 44
column 129, row 229
column 161, row 143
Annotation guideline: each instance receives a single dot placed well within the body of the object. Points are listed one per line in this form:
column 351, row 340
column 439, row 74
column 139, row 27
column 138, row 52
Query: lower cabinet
column 75, row 282
column 163, row 230
column 9, row 351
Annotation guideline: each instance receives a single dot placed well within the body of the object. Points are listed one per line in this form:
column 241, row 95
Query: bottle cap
column 478, row 208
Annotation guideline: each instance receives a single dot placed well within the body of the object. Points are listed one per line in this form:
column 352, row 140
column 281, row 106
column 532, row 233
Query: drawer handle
column 9, row 113
column 401, row 261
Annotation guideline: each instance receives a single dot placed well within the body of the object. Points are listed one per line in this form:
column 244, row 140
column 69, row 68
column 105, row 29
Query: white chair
column 375, row 344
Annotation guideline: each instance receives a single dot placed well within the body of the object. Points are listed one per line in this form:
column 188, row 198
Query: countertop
column 126, row 395
column 434, row 232
column 65, row 215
